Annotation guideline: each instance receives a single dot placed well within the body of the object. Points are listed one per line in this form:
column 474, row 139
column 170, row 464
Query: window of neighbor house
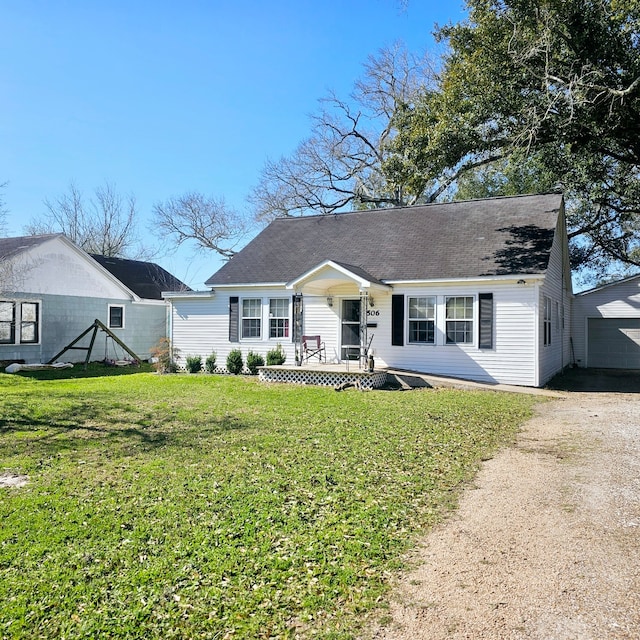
column 7, row 322
column 19, row 322
column 116, row 316
column 422, row 317
column 251, row 318
column 459, row 319
column 29, row 320
column 279, row 318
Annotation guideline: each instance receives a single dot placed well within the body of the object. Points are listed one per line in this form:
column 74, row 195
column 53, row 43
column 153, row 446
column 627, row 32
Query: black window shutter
column 485, row 339
column 233, row 318
column 397, row 320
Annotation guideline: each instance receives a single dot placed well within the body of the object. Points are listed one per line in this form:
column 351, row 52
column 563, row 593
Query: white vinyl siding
column 200, row 326
column 512, row 358
column 557, row 287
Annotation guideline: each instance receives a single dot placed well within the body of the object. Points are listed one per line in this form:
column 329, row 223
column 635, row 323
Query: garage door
column 614, row 343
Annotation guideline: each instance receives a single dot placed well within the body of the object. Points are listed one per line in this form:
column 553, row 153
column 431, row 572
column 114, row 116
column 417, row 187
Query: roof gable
column 334, row 273
column 491, row 237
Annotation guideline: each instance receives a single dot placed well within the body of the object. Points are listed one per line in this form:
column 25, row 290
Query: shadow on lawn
column 89, row 422
column 93, row 370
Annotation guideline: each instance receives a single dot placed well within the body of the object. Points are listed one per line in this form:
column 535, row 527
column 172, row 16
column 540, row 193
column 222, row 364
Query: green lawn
column 215, row 507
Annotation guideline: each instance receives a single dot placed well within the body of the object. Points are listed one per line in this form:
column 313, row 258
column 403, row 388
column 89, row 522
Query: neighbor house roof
column 490, row 237
column 13, row 246
column 146, row 279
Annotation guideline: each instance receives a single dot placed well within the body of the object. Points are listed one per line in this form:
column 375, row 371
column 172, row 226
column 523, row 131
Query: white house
column 51, row 291
column 478, row 289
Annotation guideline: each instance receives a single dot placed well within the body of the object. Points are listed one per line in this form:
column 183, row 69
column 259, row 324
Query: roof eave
column 467, row 279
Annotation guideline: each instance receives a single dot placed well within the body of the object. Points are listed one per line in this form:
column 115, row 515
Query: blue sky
column 160, row 98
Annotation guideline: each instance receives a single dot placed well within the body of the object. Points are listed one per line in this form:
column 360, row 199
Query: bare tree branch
column 342, row 164
column 104, row 224
column 207, row 221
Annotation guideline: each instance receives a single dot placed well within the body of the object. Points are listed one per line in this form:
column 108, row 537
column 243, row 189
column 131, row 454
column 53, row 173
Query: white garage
column 606, row 326
column 613, row 343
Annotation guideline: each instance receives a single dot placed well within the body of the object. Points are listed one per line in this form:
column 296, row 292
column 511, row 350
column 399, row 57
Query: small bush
column 194, row 364
column 163, row 356
column 254, row 360
column 210, row 363
column 234, row 362
column 276, row 356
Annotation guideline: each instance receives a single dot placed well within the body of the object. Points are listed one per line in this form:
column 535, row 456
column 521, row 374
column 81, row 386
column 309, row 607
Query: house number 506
column 373, row 313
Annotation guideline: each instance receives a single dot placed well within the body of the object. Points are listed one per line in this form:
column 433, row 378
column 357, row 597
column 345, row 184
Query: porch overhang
column 329, row 275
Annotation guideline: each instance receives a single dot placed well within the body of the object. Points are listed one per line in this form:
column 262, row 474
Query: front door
column 351, row 342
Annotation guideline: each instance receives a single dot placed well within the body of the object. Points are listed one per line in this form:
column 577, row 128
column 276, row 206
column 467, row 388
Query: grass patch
column 217, row 507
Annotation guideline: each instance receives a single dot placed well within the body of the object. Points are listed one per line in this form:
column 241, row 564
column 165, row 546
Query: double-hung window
column 7, row 322
column 19, row 322
column 29, row 320
column 279, row 318
column 547, row 321
column 116, row 316
column 422, row 320
column 251, row 318
column 459, row 319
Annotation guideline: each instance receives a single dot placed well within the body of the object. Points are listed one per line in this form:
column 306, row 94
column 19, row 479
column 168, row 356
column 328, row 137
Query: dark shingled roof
column 12, row 246
column 145, row 279
column 496, row 236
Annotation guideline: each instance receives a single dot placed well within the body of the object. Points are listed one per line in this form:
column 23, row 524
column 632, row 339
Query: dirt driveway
column 546, row 544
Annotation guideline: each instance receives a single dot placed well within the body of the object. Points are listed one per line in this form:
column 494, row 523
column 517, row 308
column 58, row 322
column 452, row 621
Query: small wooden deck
column 324, row 374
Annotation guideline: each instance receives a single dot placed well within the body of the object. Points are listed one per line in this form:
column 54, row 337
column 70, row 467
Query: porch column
column 297, row 326
column 364, row 308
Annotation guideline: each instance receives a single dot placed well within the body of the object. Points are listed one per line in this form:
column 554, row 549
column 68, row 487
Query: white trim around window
column 251, row 319
column 459, row 319
column 278, row 318
column 116, row 316
column 422, row 319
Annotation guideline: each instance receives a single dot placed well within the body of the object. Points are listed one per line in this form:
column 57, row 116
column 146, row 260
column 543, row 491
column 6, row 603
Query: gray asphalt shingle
column 495, row 236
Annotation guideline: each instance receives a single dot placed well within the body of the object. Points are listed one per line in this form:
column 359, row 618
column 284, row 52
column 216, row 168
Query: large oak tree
column 552, row 85
column 348, row 160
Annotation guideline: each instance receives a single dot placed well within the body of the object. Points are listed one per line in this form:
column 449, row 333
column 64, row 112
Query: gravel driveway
column 545, row 544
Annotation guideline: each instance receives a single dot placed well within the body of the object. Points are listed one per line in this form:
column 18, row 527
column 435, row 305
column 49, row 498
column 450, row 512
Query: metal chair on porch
column 313, row 346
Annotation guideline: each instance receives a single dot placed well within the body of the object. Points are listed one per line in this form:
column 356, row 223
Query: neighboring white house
column 606, row 326
column 51, row 291
column 477, row 289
